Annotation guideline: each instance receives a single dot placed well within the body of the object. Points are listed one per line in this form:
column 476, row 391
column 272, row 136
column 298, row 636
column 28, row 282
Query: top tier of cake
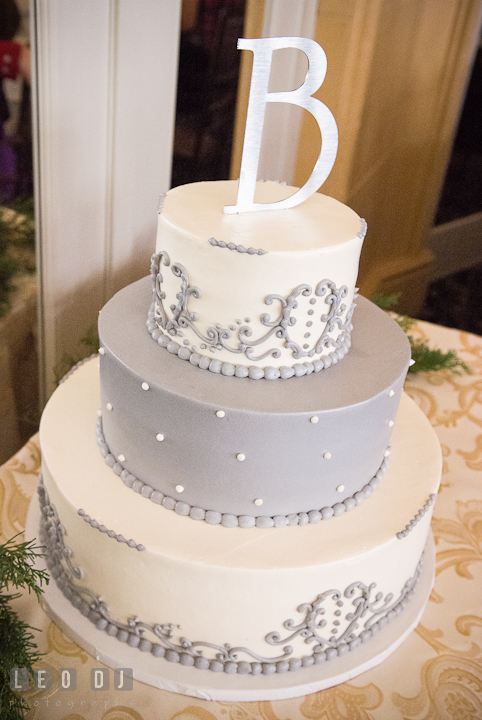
column 256, row 294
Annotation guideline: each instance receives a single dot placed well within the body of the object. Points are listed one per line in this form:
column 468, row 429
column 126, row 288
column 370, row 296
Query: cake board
column 207, row 685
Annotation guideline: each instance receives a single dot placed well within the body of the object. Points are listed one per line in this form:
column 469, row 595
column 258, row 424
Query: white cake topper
column 262, row 49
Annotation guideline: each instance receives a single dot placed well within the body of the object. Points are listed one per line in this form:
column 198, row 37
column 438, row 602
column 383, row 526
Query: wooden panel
column 104, row 101
column 456, row 245
column 347, row 31
column 396, row 79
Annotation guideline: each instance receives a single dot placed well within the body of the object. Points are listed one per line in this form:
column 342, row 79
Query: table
column 435, row 675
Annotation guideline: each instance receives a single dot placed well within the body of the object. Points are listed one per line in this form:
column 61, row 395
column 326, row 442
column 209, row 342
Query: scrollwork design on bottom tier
column 369, row 615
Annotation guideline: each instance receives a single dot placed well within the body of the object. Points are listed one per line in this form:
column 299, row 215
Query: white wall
column 104, row 101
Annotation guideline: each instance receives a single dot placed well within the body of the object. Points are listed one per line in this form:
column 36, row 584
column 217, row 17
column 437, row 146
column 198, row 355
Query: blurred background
column 112, row 102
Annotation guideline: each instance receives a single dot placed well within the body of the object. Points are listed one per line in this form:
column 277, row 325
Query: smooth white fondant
column 225, row 586
column 220, row 686
column 196, row 210
column 317, row 240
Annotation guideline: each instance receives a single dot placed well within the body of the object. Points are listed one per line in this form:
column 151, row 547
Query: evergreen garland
column 426, row 359
column 17, row 646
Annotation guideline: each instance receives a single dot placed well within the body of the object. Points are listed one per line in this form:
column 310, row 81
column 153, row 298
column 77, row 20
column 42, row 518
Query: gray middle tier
column 242, row 447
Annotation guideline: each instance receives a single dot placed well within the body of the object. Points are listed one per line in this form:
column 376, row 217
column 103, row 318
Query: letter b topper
column 262, row 49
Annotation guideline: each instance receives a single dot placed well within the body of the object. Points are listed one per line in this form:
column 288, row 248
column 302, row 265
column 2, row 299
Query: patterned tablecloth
column 435, row 674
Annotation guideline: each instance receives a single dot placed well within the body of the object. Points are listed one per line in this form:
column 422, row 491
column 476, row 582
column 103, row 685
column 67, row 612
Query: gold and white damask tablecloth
column 437, row 672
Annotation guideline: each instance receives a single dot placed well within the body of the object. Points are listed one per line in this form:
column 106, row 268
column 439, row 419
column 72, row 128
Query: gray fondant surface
column 228, row 519
column 291, row 463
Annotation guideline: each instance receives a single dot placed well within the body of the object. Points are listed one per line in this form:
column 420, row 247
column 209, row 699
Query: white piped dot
column 101, row 351
column 109, row 407
column 121, row 458
column 391, row 393
column 99, row 413
column 327, row 455
column 145, row 386
column 340, row 488
column 391, row 423
column 160, row 437
column 386, row 453
column 179, row 489
column 314, row 419
column 220, row 414
column 258, row 502
column 412, row 362
column 240, row 457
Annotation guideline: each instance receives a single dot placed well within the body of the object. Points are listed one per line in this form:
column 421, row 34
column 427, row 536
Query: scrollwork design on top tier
column 217, row 337
column 379, row 609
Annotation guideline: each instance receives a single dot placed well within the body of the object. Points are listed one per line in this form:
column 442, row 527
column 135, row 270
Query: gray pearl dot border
column 110, row 533
column 363, row 229
column 417, row 517
column 228, row 520
column 76, row 366
column 239, row 248
column 243, row 371
column 160, row 202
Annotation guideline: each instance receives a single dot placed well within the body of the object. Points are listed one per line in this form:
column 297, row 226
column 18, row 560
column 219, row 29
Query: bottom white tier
column 240, row 602
column 221, row 686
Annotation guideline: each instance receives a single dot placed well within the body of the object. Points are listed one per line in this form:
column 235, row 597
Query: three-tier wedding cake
column 253, row 518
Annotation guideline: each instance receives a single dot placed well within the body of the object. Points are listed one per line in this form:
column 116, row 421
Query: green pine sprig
column 17, row 566
column 432, row 360
column 427, row 359
column 385, row 301
column 17, row 646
